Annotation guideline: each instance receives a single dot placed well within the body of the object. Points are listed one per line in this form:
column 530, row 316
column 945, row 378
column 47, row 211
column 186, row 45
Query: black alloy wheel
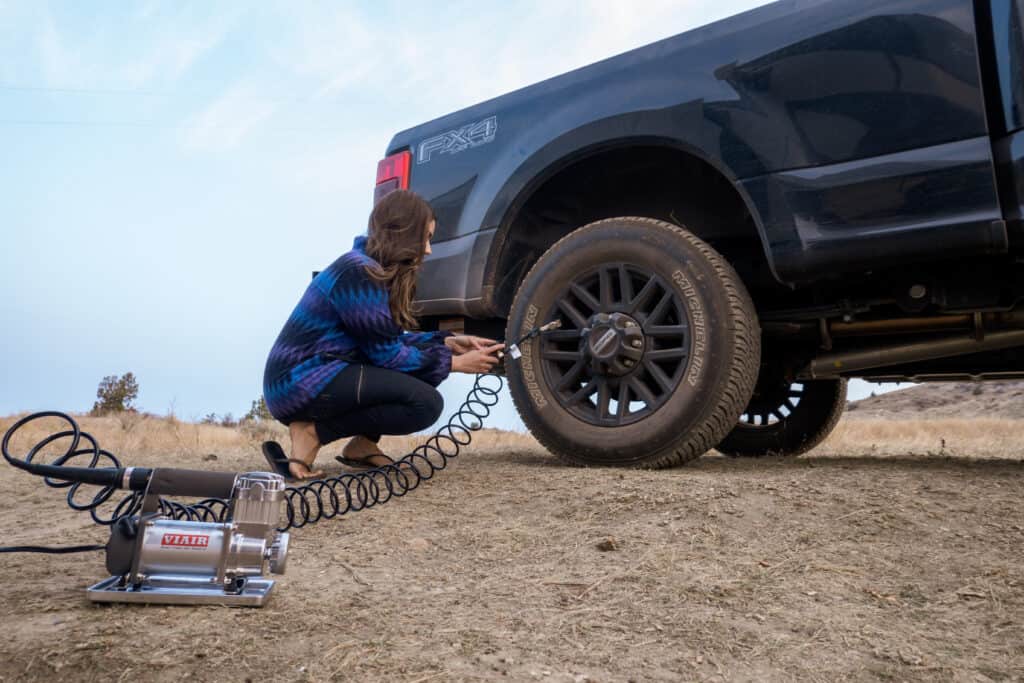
column 786, row 418
column 658, row 348
column 622, row 347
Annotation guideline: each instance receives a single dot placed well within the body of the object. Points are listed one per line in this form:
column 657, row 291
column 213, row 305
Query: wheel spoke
column 623, row 399
column 562, row 335
column 556, row 355
column 588, row 389
column 571, row 376
column 666, row 330
column 642, row 392
column 604, row 278
column 658, row 374
column 625, row 284
column 586, row 298
column 645, row 294
column 666, row 354
column 659, row 309
column 604, row 399
column 577, row 318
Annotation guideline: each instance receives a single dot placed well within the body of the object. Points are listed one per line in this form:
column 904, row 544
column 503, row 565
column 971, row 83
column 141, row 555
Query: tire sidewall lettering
column 528, row 362
column 698, row 323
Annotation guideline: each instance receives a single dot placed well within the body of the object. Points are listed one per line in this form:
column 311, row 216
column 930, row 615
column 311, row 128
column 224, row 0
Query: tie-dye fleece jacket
column 344, row 318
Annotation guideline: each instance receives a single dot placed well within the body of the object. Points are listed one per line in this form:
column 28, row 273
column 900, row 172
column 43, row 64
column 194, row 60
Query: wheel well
column 650, row 181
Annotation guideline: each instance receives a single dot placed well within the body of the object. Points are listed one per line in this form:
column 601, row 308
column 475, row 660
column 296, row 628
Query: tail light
column 392, row 174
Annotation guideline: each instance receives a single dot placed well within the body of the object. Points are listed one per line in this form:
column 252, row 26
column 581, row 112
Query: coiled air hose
column 333, row 496
column 307, row 503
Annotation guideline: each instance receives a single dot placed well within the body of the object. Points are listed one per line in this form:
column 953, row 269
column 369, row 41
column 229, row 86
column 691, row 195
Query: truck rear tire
column 786, row 419
column 658, row 351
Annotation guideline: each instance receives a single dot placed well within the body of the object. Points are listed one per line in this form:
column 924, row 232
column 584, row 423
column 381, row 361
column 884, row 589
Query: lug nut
column 637, row 343
column 628, row 362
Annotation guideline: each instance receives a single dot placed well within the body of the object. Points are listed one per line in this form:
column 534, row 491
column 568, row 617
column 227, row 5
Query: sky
column 174, row 171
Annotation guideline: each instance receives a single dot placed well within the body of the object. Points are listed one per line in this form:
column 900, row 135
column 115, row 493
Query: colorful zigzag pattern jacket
column 344, row 318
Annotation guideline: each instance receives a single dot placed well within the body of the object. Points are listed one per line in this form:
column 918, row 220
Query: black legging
column 369, row 401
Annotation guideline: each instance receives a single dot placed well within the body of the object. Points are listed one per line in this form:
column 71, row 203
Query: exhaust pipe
column 835, row 365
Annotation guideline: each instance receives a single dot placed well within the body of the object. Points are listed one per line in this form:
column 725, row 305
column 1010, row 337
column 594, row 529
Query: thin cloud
column 171, row 40
column 227, row 120
column 332, row 46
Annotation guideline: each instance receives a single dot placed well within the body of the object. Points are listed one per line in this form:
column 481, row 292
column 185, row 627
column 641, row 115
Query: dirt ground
column 856, row 562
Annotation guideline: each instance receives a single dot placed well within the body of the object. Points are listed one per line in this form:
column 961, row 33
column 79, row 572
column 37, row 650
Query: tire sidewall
column 656, row 247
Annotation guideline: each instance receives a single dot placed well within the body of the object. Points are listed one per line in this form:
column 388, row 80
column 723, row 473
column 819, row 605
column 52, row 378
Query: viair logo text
column 455, row 141
column 185, row 541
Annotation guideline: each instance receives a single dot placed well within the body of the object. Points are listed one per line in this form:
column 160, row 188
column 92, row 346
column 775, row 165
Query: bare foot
column 362, row 449
column 305, row 446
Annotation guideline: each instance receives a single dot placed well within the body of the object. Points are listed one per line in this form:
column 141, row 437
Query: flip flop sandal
column 279, row 461
column 362, row 463
column 404, row 466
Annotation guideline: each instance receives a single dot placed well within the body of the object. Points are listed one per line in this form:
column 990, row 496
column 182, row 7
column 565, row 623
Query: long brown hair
column 398, row 230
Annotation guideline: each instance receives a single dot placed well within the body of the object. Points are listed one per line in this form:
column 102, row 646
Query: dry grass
column 148, row 440
column 976, row 438
column 162, row 440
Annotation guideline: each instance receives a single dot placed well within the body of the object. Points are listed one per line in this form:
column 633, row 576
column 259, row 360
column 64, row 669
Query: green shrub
column 116, row 394
column 258, row 412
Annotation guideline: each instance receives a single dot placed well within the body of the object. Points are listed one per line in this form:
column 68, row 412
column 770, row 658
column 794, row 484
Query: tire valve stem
column 513, row 348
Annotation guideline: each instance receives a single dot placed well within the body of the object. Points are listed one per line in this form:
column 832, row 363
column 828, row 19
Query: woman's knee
column 430, row 405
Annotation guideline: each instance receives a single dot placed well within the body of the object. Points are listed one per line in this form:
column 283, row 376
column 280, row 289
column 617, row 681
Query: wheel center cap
column 613, row 343
column 603, row 342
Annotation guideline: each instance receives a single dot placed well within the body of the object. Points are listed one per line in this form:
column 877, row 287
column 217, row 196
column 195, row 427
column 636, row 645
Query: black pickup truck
column 730, row 222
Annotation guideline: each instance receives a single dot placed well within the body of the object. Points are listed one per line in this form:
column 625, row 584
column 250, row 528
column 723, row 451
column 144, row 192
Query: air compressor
column 155, row 559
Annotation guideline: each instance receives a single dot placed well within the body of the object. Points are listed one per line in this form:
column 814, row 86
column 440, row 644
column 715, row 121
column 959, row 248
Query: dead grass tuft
column 977, row 437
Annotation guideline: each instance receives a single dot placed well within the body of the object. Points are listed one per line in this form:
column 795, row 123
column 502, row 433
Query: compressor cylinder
column 172, row 547
column 246, row 545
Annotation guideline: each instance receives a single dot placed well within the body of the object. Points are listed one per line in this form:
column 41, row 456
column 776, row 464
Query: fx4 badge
column 455, row 141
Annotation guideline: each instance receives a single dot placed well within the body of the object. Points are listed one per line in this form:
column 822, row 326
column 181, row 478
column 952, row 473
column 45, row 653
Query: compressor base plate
column 183, row 590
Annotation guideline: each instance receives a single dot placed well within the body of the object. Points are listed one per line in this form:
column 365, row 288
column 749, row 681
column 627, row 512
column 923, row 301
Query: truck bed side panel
column 798, row 84
column 882, row 211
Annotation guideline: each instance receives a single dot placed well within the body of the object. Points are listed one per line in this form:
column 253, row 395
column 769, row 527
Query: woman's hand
column 476, row 361
column 463, row 343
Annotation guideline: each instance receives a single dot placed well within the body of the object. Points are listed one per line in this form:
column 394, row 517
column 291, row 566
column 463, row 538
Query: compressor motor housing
column 159, row 560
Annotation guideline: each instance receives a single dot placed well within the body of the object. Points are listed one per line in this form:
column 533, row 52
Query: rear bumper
column 451, row 280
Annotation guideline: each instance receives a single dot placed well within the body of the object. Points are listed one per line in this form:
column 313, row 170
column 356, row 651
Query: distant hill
column 945, row 399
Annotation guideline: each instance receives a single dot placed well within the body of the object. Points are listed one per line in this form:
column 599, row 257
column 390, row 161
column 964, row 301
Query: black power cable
column 51, row 550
